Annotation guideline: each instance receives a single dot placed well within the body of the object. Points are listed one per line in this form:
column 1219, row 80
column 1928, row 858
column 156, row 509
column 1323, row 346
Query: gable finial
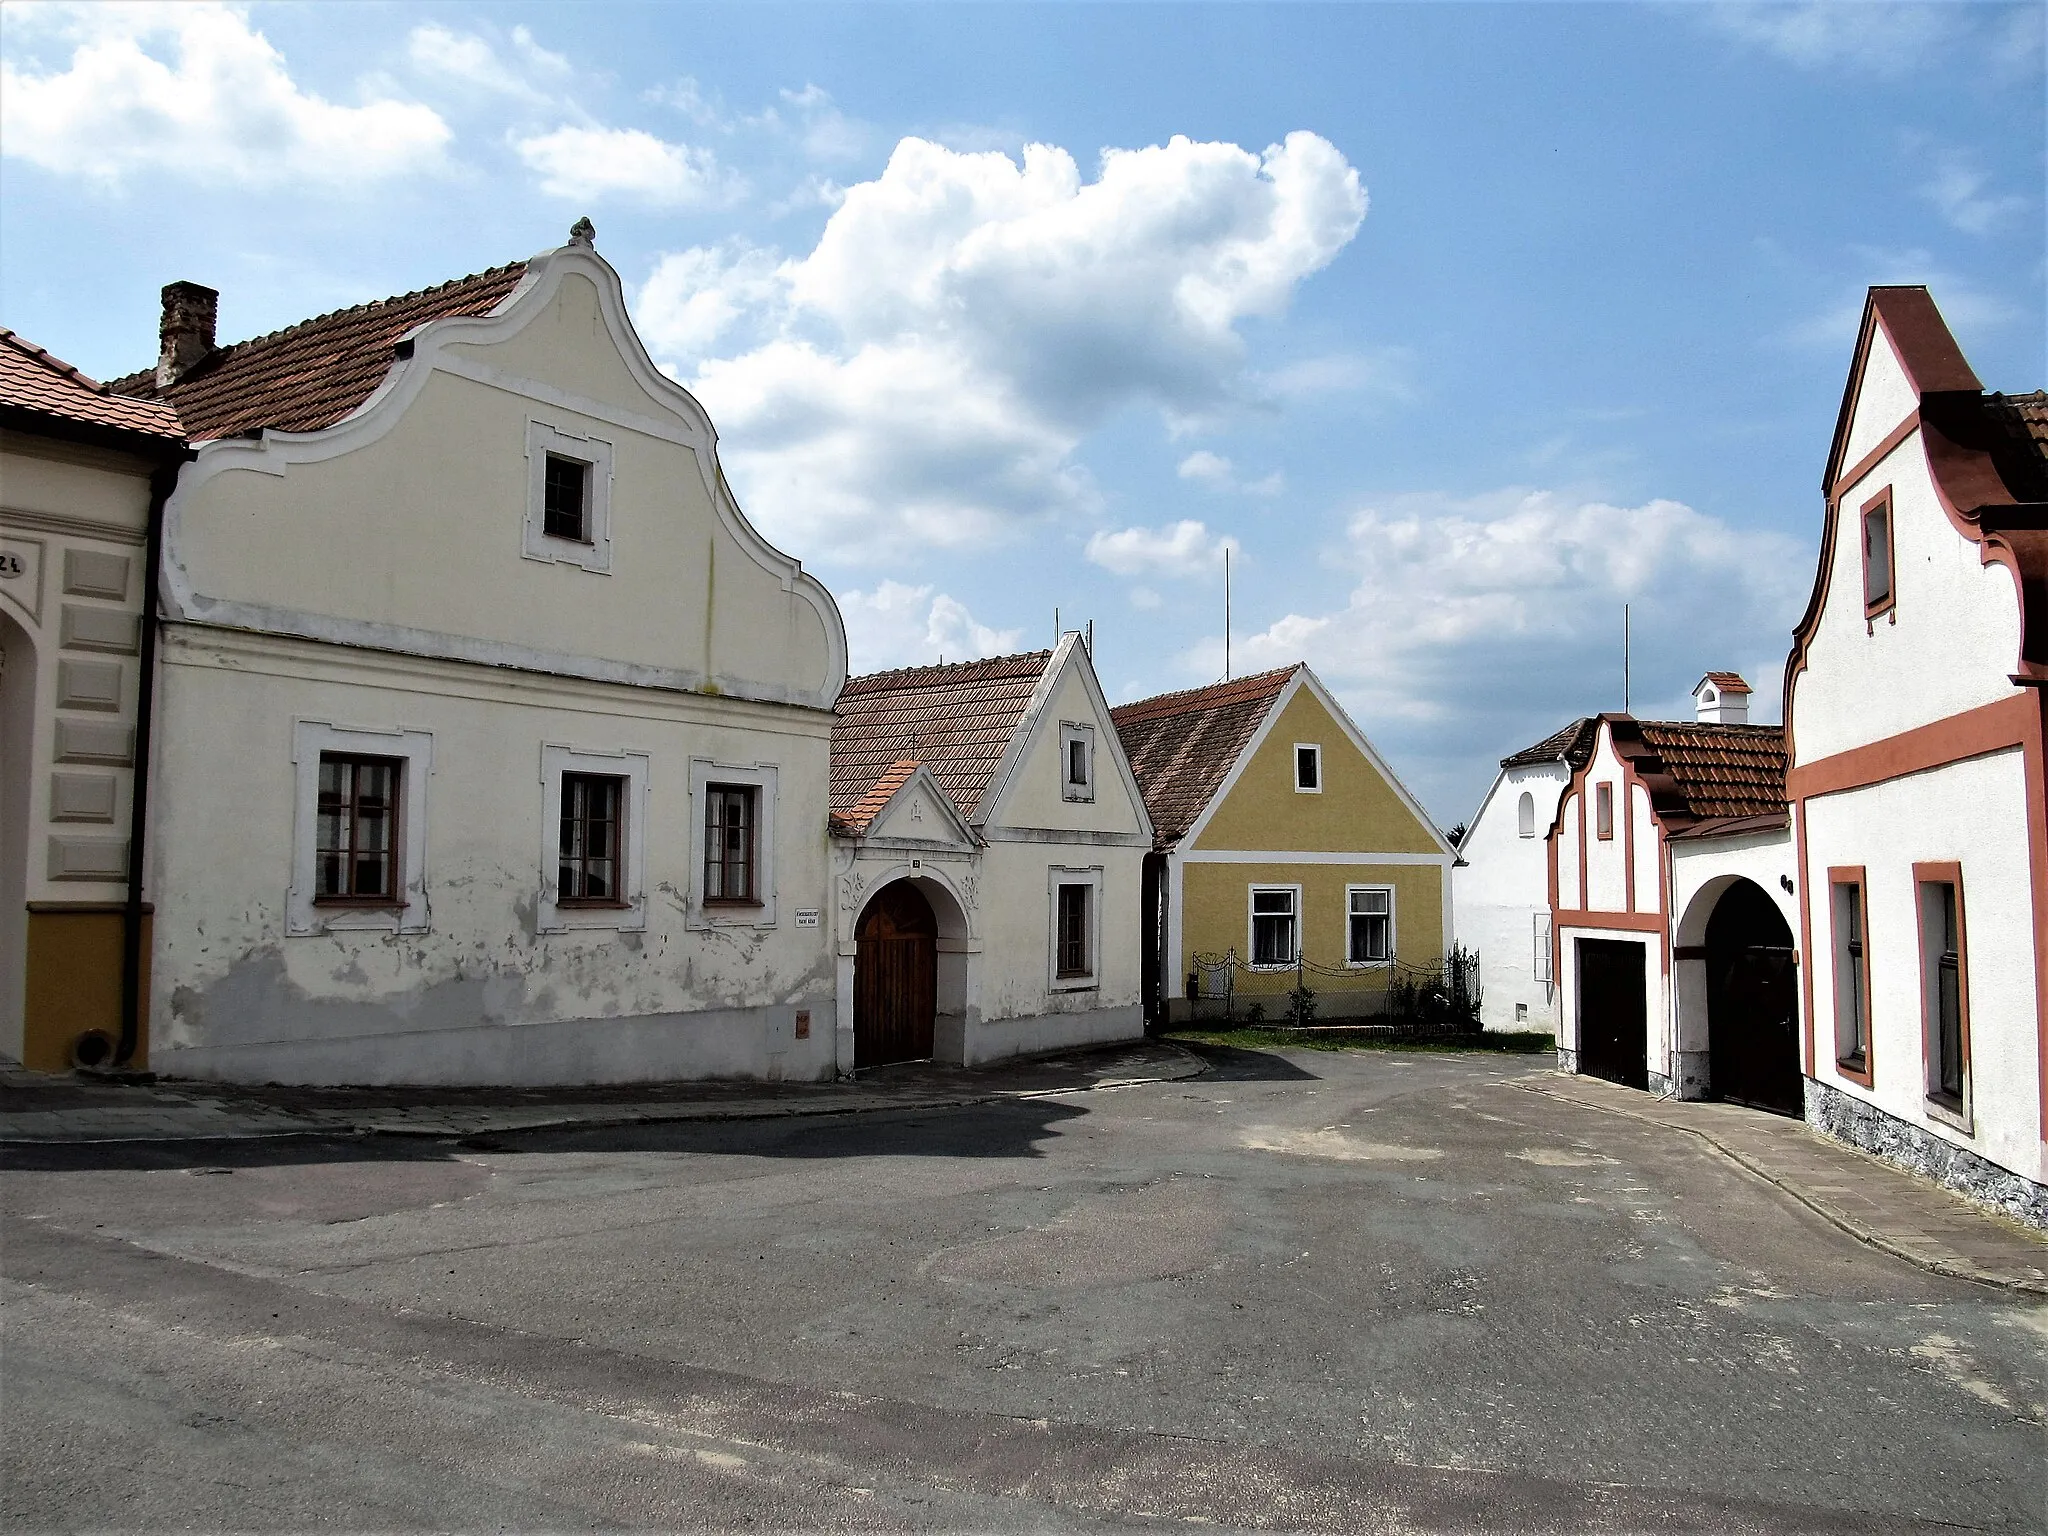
column 583, row 233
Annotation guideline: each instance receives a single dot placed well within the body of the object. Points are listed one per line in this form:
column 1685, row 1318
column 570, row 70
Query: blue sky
column 1462, row 324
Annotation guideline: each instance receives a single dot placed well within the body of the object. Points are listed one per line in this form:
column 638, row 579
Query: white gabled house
column 494, row 742
column 1917, row 708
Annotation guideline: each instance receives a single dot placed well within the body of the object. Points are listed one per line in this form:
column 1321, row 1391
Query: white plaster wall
column 1500, row 886
column 1606, row 860
column 1948, row 644
column 1568, row 892
column 481, row 996
column 1972, row 813
column 1885, row 398
column 1647, row 849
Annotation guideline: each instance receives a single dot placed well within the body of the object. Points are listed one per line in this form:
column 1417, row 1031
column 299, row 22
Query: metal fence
column 1427, row 999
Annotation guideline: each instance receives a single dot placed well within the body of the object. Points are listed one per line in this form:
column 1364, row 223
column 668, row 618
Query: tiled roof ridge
column 1713, row 727
column 1236, row 690
column 147, row 376
column 1729, row 681
column 861, row 816
column 52, row 361
column 1563, row 743
column 939, row 674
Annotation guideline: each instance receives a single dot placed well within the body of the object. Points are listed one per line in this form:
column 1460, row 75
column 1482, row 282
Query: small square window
column 591, row 840
column 729, row 861
column 355, row 854
column 566, row 499
column 1308, row 768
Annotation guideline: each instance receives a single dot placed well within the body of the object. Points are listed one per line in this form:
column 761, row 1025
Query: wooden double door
column 1614, row 1035
column 895, row 978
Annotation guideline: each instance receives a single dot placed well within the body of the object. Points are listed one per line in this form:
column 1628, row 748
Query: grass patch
column 1515, row 1042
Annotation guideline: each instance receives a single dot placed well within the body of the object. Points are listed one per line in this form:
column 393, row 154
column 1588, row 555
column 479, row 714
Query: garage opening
column 1752, row 1003
column 1614, row 1033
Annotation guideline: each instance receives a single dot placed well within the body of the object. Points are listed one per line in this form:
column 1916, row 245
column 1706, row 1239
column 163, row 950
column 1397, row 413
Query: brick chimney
column 1721, row 698
column 186, row 331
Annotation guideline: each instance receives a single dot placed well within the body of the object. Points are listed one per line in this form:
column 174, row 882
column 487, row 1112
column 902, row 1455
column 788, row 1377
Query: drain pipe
column 161, row 484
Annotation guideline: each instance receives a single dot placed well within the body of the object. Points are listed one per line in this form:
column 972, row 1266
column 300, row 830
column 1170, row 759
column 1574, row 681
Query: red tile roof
column 859, row 818
column 1720, row 770
column 33, row 381
column 1181, row 745
column 318, row 371
column 1573, row 745
column 954, row 720
column 1727, row 682
column 2020, row 444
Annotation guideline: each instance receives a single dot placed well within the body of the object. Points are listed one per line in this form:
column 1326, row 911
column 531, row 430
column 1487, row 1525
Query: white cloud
column 627, row 162
column 1217, row 472
column 468, row 59
column 1145, row 598
column 694, row 297
column 926, row 373
column 1965, row 306
column 192, row 91
column 1186, row 548
column 1476, row 626
column 1877, row 39
column 898, row 625
column 1960, row 193
column 825, row 132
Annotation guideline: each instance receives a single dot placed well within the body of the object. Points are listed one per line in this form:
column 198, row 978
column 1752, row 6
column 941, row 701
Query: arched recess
column 17, row 748
column 1745, row 982
column 910, row 997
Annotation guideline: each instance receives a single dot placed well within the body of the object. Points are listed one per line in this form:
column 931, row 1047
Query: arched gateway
column 895, row 977
column 1752, row 1002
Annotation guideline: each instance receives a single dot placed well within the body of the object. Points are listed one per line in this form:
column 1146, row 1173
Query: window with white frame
column 594, row 837
column 1525, row 815
column 1308, row 768
column 1077, row 761
column 732, row 844
column 1369, row 925
column 1074, row 907
column 1543, row 972
column 568, row 498
column 360, row 829
column 1275, row 925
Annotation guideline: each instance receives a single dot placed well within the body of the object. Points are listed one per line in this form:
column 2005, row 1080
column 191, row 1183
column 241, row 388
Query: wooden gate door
column 895, row 978
column 1614, row 1040
column 1753, row 1003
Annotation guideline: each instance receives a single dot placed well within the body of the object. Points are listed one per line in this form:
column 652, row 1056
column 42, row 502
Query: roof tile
column 31, row 379
column 1722, row 770
column 1181, row 745
column 953, row 720
column 1574, row 744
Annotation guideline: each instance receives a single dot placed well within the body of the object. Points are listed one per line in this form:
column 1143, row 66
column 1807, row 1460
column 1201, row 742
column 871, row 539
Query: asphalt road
column 1321, row 1292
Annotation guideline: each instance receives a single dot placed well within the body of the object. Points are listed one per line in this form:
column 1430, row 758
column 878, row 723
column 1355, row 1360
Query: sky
column 1460, row 325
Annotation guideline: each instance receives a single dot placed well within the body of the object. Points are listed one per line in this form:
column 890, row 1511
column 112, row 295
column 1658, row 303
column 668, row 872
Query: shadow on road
column 1234, row 1064
column 225, row 1154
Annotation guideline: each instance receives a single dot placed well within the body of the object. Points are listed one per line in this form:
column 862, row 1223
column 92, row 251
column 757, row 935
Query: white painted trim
column 595, row 455
column 630, row 766
column 1175, row 937
column 1057, row 875
column 1070, row 652
column 1250, row 942
column 764, row 779
column 1308, row 746
column 1278, row 856
column 419, row 355
column 960, row 835
column 1072, row 731
column 1393, row 928
column 303, row 915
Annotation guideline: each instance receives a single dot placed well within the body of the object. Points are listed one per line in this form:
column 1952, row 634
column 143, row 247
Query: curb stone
column 1954, row 1269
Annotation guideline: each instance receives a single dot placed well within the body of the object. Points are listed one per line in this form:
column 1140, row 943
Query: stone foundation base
column 1567, row 1059
column 1846, row 1118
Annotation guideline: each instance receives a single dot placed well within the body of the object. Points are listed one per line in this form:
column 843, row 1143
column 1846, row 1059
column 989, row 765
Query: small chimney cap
column 1724, row 682
column 583, row 233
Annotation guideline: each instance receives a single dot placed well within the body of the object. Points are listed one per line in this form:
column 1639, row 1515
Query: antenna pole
column 1624, row 659
column 1055, row 629
column 1226, row 613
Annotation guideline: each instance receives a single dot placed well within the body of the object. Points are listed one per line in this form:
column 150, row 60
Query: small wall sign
column 803, row 1023
column 11, row 565
column 807, row 917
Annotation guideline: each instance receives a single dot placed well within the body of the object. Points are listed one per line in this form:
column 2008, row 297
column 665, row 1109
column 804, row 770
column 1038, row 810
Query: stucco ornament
column 970, row 891
column 851, row 884
column 583, row 233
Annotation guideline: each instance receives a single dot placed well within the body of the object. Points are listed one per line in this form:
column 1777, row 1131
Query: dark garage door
column 1613, row 1013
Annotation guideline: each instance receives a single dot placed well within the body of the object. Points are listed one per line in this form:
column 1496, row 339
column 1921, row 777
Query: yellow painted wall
column 1216, row 917
column 74, row 984
column 1358, row 809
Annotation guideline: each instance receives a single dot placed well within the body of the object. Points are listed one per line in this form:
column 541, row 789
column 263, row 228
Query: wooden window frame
column 1251, row 931
column 716, row 793
column 584, row 473
column 1874, row 607
column 1059, row 978
column 391, row 898
column 1859, row 1071
column 1928, row 876
column 1387, row 890
column 622, row 791
column 1062, row 941
column 1314, row 749
column 1603, row 811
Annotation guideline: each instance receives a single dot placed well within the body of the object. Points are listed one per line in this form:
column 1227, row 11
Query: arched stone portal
column 1752, row 1002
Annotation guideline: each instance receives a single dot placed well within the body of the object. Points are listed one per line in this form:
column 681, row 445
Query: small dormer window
column 1708, row 697
column 1308, row 768
column 565, row 499
column 1077, row 761
column 1877, row 554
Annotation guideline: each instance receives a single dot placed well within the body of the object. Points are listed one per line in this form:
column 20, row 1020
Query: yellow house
column 1286, row 851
